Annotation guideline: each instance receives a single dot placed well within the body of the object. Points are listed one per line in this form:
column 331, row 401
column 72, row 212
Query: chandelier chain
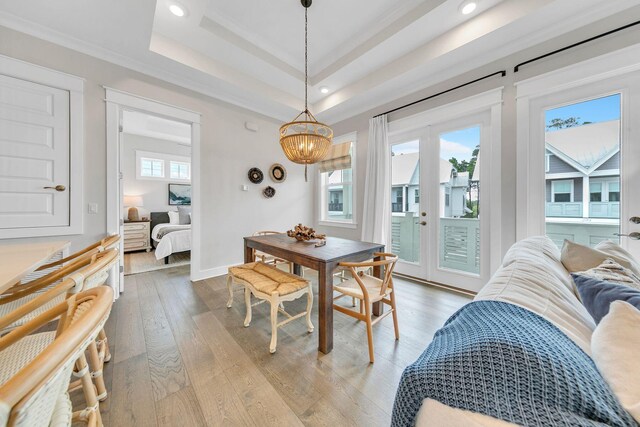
column 306, row 61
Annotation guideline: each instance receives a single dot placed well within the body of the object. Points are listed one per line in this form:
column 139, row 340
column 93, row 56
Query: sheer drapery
column 377, row 191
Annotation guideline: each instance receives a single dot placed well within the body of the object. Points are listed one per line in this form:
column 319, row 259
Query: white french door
column 440, row 211
column 578, row 155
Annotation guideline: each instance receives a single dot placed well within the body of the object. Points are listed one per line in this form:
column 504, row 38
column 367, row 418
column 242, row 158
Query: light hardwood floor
column 142, row 262
column 181, row 358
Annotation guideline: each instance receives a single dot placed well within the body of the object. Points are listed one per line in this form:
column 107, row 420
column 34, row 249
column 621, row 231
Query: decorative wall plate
column 277, row 172
column 255, row 175
column 269, row 192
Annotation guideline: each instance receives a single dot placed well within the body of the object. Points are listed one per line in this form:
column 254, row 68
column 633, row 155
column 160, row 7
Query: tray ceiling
column 250, row 53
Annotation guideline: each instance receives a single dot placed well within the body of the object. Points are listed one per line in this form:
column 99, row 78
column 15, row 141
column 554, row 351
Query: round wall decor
column 277, row 172
column 269, row 192
column 255, row 175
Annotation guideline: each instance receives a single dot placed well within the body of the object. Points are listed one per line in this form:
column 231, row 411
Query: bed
column 168, row 239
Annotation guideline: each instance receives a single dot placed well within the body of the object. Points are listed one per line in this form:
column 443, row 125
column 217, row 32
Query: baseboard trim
column 211, row 272
column 436, row 284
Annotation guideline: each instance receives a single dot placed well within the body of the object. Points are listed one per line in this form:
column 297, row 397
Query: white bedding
column 176, row 241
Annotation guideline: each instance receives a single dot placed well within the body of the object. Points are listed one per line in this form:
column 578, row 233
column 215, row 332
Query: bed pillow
column 613, row 272
column 597, row 295
column 174, row 218
column 615, row 347
column 576, row 257
column 184, row 213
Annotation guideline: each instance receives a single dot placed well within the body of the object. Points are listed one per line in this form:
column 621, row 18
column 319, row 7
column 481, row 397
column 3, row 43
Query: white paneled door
column 34, row 155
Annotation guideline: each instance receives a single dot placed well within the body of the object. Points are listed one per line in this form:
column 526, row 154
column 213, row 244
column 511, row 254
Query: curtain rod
column 624, row 27
column 502, row 74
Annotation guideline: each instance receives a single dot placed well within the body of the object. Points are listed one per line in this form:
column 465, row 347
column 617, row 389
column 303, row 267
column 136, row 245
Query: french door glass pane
column 405, row 201
column 459, row 197
column 582, row 145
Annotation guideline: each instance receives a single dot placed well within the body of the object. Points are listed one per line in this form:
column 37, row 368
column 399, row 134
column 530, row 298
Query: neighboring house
column 405, row 189
column 583, row 171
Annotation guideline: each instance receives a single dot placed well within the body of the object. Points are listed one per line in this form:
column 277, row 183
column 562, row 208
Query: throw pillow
column 615, row 345
column 576, row 257
column 614, row 251
column 613, row 272
column 174, row 218
column 597, row 295
column 184, row 212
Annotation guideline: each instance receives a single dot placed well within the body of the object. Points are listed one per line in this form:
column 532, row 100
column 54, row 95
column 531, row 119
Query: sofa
column 531, row 277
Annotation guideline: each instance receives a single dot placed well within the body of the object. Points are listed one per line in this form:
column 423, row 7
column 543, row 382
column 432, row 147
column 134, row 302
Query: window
column 416, row 197
column 162, row 167
column 337, row 183
column 152, row 168
column 562, row 191
column 595, row 192
column 614, row 191
column 179, row 170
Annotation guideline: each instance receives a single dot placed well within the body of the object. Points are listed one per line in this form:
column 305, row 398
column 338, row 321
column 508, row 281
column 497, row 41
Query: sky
column 459, row 144
column 595, row 110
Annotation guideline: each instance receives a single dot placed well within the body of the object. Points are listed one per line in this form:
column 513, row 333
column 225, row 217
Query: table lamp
column 133, row 202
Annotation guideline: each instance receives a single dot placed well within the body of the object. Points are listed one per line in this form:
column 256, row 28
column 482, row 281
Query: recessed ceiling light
column 177, row 10
column 324, row 89
column 468, row 7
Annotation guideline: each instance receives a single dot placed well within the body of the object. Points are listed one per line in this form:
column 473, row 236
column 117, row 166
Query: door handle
column 57, row 188
column 423, row 222
column 635, row 219
column 633, row 235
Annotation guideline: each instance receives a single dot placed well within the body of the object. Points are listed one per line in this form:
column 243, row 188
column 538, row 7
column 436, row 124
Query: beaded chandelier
column 305, row 140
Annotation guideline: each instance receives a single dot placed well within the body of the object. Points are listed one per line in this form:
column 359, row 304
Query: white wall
column 360, row 123
column 228, row 151
column 153, row 192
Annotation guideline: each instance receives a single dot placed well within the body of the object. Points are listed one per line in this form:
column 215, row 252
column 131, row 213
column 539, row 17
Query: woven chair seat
column 351, row 288
column 268, row 279
column 14, row 305
column 21, row 353
column 63, row 412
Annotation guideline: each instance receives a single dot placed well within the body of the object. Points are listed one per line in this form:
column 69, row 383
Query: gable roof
column 403, row 167
column 585, row 147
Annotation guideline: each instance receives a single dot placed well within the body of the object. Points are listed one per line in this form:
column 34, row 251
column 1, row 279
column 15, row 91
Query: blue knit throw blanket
column 502, row 360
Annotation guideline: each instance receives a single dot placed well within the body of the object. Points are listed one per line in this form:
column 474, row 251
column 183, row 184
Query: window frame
column 553, row 192
column 322, row 188
column 166, row 160
column 152, row 160
column 179, row 163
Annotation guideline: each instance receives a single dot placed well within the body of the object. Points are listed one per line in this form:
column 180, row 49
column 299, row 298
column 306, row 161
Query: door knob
column 425, row 223
column 634, row 235
column 635, row 219
column 57, row 188
column 425, row 214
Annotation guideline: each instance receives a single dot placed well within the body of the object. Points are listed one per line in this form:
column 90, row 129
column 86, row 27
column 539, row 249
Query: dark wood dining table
column 324, row 260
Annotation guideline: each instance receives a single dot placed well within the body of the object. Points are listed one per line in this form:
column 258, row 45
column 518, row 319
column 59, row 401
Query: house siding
column 612, row 164
column 557, row 165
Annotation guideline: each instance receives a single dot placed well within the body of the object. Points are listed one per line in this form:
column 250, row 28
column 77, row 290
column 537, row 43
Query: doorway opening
column 155, row 166
column 133, row 120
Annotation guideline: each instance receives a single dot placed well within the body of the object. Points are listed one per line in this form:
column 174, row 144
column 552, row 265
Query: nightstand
column 137, row 236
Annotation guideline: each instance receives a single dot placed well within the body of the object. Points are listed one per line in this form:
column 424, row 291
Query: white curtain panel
column 376, row 221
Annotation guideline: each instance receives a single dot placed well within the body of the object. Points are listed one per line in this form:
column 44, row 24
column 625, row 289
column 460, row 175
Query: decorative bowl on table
column 303, row 233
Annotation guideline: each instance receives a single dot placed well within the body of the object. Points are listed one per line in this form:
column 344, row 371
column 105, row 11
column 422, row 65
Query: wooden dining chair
column 368, row 290
column 35, row 368
column 25, row 302
column 270, row 259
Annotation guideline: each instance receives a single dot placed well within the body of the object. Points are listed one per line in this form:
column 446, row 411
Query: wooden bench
column 267, row 283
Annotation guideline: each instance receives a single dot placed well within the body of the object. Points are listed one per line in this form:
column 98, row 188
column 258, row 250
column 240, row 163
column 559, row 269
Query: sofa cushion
column 613, row 272
column 616, row 345
column 532, row 277
column 597, row 295
column 576, row 257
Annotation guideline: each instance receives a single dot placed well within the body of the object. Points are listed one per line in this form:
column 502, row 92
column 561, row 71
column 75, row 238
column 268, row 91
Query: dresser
column 137, row 236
